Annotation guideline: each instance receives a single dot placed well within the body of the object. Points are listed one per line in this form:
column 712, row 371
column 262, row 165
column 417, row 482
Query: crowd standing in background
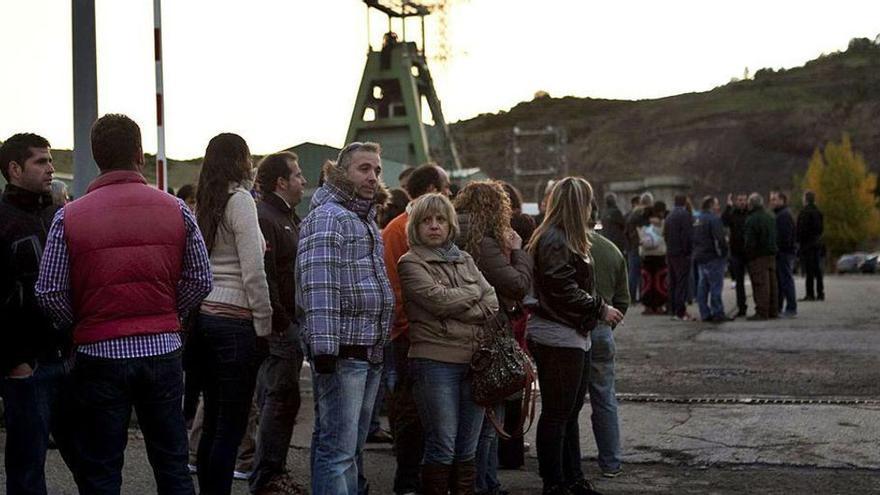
column 229, row 294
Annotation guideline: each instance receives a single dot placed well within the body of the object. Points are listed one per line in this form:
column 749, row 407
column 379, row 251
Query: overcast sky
column 280, row 72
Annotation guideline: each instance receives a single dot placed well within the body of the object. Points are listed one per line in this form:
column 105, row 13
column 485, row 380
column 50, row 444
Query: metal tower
column 388, row 108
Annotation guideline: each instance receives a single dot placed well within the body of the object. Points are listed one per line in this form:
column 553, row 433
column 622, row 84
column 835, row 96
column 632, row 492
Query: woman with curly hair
column 484, row 218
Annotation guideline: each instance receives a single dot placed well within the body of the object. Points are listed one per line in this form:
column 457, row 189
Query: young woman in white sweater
column 235, row 313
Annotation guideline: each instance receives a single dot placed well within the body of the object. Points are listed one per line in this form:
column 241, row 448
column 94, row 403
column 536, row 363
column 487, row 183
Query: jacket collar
column 26, row 200
column 433, row 256
column 113, row 177
column 330, row 193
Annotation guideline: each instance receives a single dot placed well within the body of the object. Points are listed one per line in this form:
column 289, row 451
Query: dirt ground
column 830, row 351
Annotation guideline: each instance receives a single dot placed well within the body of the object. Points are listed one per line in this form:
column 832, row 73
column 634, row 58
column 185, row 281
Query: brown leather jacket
column 446, row 303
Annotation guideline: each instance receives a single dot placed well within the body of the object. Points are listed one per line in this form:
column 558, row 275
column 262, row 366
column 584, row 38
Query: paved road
column 831, row 351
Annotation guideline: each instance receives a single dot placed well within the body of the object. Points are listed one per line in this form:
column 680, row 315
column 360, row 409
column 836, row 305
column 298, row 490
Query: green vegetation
column 845, row 192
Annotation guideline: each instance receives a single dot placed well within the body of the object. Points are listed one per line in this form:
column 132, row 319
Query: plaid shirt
column 53, row 291
column 343, row 287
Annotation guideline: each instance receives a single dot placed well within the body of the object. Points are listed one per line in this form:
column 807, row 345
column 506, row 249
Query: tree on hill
column 845, row 193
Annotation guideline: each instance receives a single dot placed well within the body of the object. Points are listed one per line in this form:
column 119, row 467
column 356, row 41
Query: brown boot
column 464, row 476
column 435, row 479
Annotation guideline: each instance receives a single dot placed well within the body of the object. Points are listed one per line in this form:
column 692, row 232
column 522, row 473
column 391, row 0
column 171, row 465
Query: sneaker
column 612, row 473
column 380, row 436
column 788, row 314
column 241, row 475
column 807, row 299
column 192, row 469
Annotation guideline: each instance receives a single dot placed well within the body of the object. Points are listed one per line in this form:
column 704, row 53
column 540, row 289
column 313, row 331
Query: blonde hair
column 568, row 208
column 424, row 206
column 489, row 208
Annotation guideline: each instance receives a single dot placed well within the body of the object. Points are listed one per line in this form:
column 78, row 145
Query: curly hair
column 489, row 209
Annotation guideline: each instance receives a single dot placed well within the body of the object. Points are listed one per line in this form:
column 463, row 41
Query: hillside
column 746, row 135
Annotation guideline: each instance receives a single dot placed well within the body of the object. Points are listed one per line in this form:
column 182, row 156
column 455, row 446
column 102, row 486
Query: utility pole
column 85, row 93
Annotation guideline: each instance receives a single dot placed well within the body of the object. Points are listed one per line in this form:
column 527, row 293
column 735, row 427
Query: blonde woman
column 567, row 310
column 447, row 299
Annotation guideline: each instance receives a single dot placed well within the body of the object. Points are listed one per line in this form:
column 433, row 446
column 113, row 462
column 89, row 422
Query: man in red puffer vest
column 123, row 265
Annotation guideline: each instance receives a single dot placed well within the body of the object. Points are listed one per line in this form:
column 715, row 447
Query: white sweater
column 237, row 261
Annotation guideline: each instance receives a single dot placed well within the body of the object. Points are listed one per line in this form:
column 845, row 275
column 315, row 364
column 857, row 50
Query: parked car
column 851, row 263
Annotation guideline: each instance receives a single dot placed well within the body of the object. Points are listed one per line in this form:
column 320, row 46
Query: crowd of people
column 198, row 312
column 684, row 255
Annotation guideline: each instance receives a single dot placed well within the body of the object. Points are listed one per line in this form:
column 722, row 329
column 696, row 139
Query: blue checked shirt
column 53, row 291
column 344, row 290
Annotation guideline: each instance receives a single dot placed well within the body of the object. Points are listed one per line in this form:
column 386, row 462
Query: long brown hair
column 488, row 206
column 227, row 161
column 568, row 208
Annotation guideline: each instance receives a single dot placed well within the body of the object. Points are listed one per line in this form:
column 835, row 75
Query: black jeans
column 105, row 391
column 563, row 374
column 228, row 362
column 278, row 399
column 811, row 261
column 679, row 273
column 33, row 407
column 409, row 440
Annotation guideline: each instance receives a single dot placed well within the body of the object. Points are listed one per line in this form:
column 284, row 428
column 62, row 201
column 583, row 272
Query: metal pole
column 85, row 93
column 161, row 164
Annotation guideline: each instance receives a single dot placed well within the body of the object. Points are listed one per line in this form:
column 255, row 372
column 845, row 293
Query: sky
column 280, row 72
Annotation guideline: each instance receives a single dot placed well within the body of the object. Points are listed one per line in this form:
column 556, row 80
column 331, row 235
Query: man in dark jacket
column 32, row 351
column 734, row 218
column 809, row 236
column 760, row 247
column 710, row 258
column 282, row 183
column 786, row 254
column 613, row 223
column 678, row 233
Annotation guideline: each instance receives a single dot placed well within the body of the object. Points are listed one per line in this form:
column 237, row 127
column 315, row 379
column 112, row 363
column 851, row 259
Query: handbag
column 501, row 368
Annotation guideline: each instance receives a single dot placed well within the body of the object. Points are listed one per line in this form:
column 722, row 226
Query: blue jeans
column 343, row 409
column 450, row 417
column 487, row 454
column 709, row 290
column 106, row 390
column 785, row 279
column 229, row 361
column 634, row 275
column 603, row 398
column 33, row 407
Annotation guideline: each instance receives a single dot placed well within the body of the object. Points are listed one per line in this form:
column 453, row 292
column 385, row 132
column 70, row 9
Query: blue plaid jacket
column 344, row 292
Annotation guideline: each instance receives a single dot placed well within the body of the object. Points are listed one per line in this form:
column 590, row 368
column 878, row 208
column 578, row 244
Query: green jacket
column 760, row 234
column 611, row 281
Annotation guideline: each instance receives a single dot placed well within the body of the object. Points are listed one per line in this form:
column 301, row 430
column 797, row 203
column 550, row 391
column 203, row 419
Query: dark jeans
column 228, row 363
column 738, row 274
column 765, row 288
column 785, row 279
column 278, row 399
column 563, row 374
column 811, row 260
column 406, row 426
column 34, row 407
column 679, row 272
column 634, row 273
column 106, row 390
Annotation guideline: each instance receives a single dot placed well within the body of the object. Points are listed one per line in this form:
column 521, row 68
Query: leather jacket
column 565, row 284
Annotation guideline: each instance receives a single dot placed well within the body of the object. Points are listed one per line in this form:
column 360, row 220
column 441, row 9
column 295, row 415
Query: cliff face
column 745, row 136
